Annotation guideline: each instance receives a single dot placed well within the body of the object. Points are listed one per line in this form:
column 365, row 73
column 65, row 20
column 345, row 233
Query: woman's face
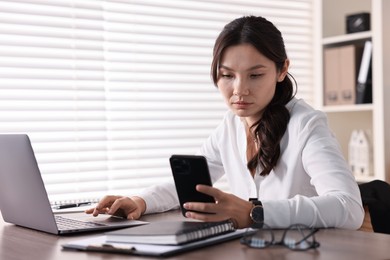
column 247, row 80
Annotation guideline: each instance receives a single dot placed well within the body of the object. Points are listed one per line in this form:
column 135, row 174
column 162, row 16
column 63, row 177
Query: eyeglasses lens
column 262, row 238
column 299, row 238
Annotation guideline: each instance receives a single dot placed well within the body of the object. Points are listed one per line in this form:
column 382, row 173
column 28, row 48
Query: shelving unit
column 373, row 118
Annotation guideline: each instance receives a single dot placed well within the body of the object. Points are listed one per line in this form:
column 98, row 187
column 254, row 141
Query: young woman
column 272, row 147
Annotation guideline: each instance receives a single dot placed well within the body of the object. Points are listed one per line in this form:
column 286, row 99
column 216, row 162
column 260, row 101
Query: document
column 100, row 244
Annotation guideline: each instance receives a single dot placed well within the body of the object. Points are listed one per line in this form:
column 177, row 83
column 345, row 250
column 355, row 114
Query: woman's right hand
column 130, row 208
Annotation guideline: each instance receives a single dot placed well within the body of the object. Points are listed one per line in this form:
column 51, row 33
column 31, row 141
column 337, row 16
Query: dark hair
column 268, row 40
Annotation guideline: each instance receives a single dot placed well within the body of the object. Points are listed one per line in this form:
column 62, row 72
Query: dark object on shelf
column 358, row 22
column 364, row 93
column 364, row 81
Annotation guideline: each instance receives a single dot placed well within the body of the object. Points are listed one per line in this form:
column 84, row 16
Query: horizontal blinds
column 108, row 90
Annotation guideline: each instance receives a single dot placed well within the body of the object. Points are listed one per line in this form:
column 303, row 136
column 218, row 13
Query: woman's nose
column 240, row 88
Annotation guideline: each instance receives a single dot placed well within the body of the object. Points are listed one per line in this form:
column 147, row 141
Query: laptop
column 24, row 200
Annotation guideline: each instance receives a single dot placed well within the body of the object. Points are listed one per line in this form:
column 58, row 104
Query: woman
column 270, row 145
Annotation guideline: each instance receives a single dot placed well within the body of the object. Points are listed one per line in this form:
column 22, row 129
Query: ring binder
column 170, row 233
column 364, row 86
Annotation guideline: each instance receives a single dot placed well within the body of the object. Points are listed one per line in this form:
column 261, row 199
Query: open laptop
column 24, row 200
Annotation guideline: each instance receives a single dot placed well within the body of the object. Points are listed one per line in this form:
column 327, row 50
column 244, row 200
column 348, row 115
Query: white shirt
column 311, row 183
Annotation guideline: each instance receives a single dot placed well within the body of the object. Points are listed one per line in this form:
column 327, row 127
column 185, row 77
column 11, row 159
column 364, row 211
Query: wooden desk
column 17, row 243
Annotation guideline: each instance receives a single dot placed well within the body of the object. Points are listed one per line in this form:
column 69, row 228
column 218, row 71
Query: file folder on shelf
column 364, row 84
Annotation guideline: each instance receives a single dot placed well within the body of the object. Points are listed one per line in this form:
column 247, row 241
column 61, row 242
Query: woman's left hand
column 226, row 206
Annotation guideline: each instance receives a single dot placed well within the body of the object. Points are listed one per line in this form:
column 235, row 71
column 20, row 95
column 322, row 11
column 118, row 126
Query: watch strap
column 256, row 202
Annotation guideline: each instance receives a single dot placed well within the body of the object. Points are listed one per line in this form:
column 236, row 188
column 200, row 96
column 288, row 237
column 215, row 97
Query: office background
column 108, row 90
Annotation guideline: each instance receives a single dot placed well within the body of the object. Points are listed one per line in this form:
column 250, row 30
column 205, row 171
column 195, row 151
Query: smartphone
column 188, row 171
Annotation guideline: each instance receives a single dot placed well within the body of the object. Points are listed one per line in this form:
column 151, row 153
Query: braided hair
column 268, row 40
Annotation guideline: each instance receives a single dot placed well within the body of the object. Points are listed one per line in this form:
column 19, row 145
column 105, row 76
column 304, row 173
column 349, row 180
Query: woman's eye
column 228, row 76
column 253, row 76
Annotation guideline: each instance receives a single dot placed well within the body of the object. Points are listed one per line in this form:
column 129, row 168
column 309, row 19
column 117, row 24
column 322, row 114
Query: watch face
column 257, row 214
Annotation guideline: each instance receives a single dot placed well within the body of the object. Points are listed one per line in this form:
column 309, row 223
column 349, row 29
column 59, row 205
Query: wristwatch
column 257, row 214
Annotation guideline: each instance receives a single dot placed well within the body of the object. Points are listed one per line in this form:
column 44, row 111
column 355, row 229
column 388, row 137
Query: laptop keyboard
column 69, row 224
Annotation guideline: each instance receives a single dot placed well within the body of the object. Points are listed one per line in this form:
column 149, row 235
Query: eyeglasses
column 296, row 237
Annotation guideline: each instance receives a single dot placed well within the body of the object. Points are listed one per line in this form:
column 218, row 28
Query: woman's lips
column 241, row 104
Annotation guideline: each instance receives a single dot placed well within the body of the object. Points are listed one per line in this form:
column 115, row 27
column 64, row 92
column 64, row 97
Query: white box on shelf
column 360, row 154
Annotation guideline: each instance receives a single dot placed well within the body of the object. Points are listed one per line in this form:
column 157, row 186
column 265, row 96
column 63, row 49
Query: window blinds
column 108, row 90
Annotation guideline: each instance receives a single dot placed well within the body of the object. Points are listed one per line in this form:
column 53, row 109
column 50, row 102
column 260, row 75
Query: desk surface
column 17, row 243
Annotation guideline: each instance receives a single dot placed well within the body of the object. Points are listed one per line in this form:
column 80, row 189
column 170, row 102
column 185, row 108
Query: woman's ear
column 283, row 72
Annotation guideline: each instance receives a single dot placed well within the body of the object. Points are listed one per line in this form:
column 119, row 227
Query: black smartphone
column 188, row 171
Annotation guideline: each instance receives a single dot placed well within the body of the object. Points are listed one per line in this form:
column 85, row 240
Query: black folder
column 364, row 81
